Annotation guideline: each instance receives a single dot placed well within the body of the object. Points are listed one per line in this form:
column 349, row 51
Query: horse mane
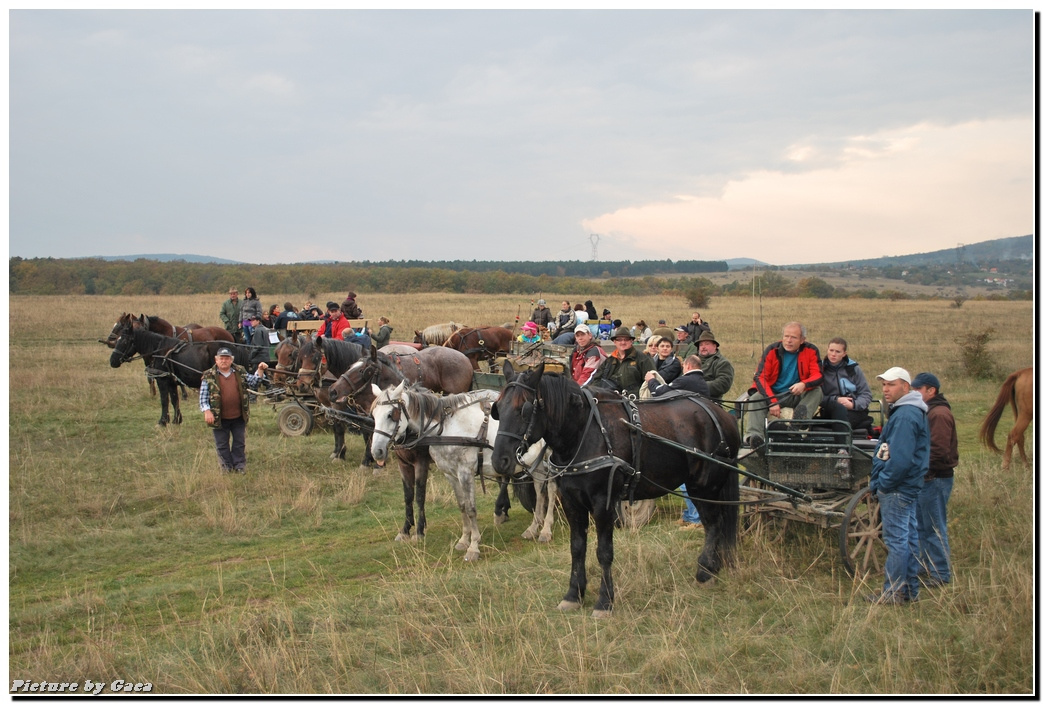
column 439, row 333
column 337, row 352
column 559, row 393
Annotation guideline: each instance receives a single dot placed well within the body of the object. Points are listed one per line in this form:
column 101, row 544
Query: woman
column 582, row 316
column 651, row 348
column 529, row 333
column 250, row 311
column 845, row 393
column 382, row 336
column 666, row 362
column 268, row 319
column 640, row 331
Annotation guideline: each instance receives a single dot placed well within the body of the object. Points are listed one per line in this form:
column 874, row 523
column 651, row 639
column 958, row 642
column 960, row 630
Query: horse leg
column 551, row 490
column 503, row 503
column 176, row 403
column 1017, row 437
column 579, row 520
column 408, row 484
column 462, row 481
column 537, row 515
column 164, row 401
column 605, row 522
column 339, row 449
column 721, row 524
column 422, row 464
column 367, row 459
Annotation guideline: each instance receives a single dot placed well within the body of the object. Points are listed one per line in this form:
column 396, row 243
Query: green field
column 133, row 558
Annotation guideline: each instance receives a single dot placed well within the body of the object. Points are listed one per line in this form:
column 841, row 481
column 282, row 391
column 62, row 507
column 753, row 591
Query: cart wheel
column 861, row 537
column 634, row 515
column 752, row 520
column 294, row 421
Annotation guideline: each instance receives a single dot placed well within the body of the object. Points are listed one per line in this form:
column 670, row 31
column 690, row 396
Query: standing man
column 718, row 371
column 230, row 312
column 698, row 326
column 933, row 502
column 542, row 315
column 226, row 407
column 587, row 356
column 624, row 370
column 790, row 368
column 899, row 465
column 566, row 319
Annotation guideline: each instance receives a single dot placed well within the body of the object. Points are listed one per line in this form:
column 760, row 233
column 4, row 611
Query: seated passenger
column 666, row 363
column 624, row 370
column 530, row 333
column 587, row 356
column 691, row 380
column 845, row 392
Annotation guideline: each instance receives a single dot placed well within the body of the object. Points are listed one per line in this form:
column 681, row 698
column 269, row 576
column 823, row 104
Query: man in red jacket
column 789, row 376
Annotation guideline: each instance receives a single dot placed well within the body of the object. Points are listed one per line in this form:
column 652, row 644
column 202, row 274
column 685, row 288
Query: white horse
column 459, row 430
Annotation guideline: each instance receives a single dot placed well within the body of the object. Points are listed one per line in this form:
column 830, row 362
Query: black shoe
column 800, row 413
column 755, row 441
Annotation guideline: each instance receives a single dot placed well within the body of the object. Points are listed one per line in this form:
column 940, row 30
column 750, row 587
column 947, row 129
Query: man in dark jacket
column 624, row 370
column 718, row 371
column 789, row 375
column 541, row 315
column 933, row 501
column 691, row 380
column 349, row 308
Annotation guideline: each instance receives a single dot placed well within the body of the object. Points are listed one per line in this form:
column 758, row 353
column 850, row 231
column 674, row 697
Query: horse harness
column 481, row 350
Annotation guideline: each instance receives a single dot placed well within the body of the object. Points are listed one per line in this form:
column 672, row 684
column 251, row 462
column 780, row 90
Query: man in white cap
column 226, row 407
column 899, row 466
column 587, row 356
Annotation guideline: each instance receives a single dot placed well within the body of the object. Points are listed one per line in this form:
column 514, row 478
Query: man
column 684, row 345
column 230, row 312
column 566, row 319
column 288, row 313
column 899, row 465
column 697, row 327
column 718, row 371
column 335, row 324
column 542, row 315
column 357, row 337
column 587, row 356
column 933, row 501
column 624, row 370
column 665, row 331
column 349, row 308
column 790, row 369
column 226, row 407
column 690, row 380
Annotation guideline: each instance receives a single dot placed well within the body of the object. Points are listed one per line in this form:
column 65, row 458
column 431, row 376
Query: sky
column 289, row 136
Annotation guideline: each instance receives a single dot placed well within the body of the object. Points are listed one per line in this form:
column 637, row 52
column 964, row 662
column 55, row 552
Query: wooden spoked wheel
column 634, row 515
column 862, row 546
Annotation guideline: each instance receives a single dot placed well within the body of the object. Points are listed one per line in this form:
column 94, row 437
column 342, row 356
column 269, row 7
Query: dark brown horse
column 481, row 343
column 1017, row 391
column 193, row 332
column 606, row 449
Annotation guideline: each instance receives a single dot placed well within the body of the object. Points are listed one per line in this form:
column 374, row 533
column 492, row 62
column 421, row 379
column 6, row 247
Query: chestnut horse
column 481, row 343
column 1017, row 391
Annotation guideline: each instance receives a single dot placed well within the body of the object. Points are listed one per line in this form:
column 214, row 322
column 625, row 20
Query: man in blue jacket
column 899, row 466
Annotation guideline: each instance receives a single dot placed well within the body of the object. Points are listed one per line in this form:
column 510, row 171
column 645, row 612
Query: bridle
column 529, row 408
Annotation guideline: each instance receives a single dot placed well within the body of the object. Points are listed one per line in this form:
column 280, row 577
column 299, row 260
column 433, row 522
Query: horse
column 287, row 361
column 171, row 361
column 481, row 343
column 458, row 432
column 193, row 332
column 606, row 448
column 1016, row 390
column 316, row 358
column 354, row 389
column 435, row 335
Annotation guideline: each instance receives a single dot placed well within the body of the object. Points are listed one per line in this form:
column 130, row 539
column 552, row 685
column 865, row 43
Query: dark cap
column 331, row 305
column 926, row 379
column 224, row 352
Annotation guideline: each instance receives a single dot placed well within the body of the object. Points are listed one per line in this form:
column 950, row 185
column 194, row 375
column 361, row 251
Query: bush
column 975, row 355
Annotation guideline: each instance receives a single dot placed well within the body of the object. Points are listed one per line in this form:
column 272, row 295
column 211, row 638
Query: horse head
column 516, row 410
column 390, row 419
column 312, row 363
column 124, row 348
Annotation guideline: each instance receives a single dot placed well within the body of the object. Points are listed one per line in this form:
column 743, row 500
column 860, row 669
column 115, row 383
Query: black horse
column 171, row 361
column 607, row 449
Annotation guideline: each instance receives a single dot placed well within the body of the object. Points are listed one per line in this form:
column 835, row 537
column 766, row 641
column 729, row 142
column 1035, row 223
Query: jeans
column 831, row 409
column 898, row 515
column 933, row 528
column 690, row 514
column 234, row 430
column 758, row 405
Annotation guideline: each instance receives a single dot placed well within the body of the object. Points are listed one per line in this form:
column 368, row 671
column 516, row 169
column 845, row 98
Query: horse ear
column 373, row 352
column 375, row 389
column 508, row 371
column 538, row 371
column 400, row 388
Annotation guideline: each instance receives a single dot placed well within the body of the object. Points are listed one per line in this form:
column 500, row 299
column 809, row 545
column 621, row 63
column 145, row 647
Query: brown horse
column 435, row 334
column 482, row 343
column 193, row 332
column 1017, row 391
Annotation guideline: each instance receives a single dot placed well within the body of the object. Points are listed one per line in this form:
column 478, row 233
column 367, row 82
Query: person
column 566, row 319
column 697, row 327
column 641, row 331
column 231, row 314
column 349, row 308
column 790, row 368
column 899, row 465
column 718, row 371
column 529, row 333
column 250, row 311
column 683, row 346
column 541, row 315
column 652, row 346
column 383, row 335
column 587, row 356
column 226, row 407
column 691, row 380
column 269, row 318
column 288, row 313
column 932, row 504
column 845, row 391
column 665, row 362
column 605, row 326
column 624, row 370
column 335, row 323
column 310, row 311
column 358, row 337
column 664, row 330
column 582, row 316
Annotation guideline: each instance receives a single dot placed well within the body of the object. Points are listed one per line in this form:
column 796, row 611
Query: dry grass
column 132, row 557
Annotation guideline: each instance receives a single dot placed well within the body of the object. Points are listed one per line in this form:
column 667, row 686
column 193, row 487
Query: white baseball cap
column 582, row 327
column 894, row 374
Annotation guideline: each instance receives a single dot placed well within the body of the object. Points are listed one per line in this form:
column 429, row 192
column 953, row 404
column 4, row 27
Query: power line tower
column 594, row 239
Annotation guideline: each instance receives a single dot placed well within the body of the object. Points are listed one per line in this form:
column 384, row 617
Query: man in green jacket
column 226, row 407
column 230, row 310
column 624, row 370
column 718, row 371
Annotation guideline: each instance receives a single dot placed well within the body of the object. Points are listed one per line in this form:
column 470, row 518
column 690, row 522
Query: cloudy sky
column 287, row 136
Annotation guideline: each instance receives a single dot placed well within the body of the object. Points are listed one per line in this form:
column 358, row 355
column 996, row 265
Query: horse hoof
column 461, row 546
column 401, row 537
column 600, row 613
column 705, row 578
column 500, row 520
column 336, row 458
column 543, row 539
column 472, row 556
column 377, row 471
column 529, row 535
column 567, row 605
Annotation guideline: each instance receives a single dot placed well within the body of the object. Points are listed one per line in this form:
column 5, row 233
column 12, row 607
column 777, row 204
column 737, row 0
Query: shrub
column 977, row 360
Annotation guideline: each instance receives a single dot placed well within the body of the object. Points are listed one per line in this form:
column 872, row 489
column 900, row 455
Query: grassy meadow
column 131, row 557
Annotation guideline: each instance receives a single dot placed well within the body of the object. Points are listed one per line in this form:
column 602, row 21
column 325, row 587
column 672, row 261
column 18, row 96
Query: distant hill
column 1006, row 248
column 193, row 258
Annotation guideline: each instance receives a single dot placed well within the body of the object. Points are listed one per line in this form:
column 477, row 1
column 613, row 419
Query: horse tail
column 988, row 426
